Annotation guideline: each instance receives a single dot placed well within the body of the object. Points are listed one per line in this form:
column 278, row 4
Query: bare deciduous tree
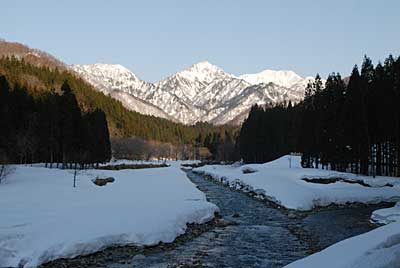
column 5, row 168
column 135, row 148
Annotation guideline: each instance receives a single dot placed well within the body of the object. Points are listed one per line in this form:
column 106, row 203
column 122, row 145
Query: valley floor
column 44, row 218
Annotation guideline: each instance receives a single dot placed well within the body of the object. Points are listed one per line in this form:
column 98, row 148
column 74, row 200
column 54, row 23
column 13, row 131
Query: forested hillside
column 50, row 128
column 352, row 126
column 29, row 55
column 39, row 81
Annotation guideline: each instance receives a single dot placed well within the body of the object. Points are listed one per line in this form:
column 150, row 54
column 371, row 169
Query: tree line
column 50, row 128
column 266, row 133
column 122, row 123
column 350, row 124
column 214, row 145
column 135, row 148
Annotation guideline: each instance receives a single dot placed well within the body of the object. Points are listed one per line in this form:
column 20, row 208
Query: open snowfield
column 43, row 217
column 286, row 187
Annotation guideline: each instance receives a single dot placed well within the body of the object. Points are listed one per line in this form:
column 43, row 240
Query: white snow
column 387, row 215
column 286, row 187
column 378, row 248
column 281, row 78
column 130, row 102
column 201, row 92
column 43, row 217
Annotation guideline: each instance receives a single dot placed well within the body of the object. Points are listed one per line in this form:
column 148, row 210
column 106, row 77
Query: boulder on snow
column 248, row 170
column 103, row 181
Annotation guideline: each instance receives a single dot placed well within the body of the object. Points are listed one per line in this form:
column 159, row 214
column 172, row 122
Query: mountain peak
column 200, row 92
column 114, row 71
column 203, row 72
column 283, row 78
column 104, row 67
column 204, row 65
column 109, row 65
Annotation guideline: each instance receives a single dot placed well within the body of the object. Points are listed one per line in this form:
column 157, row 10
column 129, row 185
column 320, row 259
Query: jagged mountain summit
column 188, row 83
column 201, row 92
column 281, row 78
column 104, row 76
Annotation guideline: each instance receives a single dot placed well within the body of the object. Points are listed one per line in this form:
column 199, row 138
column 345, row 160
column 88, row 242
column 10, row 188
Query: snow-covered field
column 286, row 187
column 43, row 217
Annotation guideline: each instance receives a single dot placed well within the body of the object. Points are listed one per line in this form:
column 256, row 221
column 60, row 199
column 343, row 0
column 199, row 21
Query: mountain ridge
column 43, row 77
column 31, row 55
column 200, row 92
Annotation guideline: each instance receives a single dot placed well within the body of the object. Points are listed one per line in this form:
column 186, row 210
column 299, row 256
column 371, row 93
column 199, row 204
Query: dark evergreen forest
column 346, row 125
column 50, row 120
column 50, row 128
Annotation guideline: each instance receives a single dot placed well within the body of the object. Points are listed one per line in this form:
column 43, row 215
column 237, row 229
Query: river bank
column 263, row 236
column 54, row 220
column 248, row 231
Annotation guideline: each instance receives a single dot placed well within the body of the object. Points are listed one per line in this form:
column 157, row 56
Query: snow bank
column 387, row 215
column 375, row 249
column 286, row 187
column 43, row 217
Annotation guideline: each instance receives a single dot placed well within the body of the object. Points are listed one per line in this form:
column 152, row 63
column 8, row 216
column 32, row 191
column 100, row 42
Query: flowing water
column 263, row 237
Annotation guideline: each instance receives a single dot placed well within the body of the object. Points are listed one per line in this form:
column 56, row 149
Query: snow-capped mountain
column 108, row 77
column 202, row 92
column 188, row 83
column 281, row 78
column 136, row 104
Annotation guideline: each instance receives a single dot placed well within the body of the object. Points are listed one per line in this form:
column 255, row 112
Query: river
column 262, row 237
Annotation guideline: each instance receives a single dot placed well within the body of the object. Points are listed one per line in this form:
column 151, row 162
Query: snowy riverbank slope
column 286, row 187
column 276, row 181
column 378, row 248
column 43, row 217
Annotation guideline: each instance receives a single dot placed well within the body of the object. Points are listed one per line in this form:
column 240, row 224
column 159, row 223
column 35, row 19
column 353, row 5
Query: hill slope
column 47, row 74
column 29, row 55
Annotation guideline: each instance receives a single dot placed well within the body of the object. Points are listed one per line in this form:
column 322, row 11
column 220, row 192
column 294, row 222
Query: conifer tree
column 353, row 127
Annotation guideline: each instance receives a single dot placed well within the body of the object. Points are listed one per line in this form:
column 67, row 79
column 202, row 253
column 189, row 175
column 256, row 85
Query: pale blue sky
column 157, row 38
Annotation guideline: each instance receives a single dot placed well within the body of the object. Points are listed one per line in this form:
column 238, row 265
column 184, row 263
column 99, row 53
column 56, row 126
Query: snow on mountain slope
column 281, row 78
column 119, row 82
column 108, row 77
column 201, row 92
column 135, row 104
column 261, row 94
column 188, row 83
column 219, row 91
